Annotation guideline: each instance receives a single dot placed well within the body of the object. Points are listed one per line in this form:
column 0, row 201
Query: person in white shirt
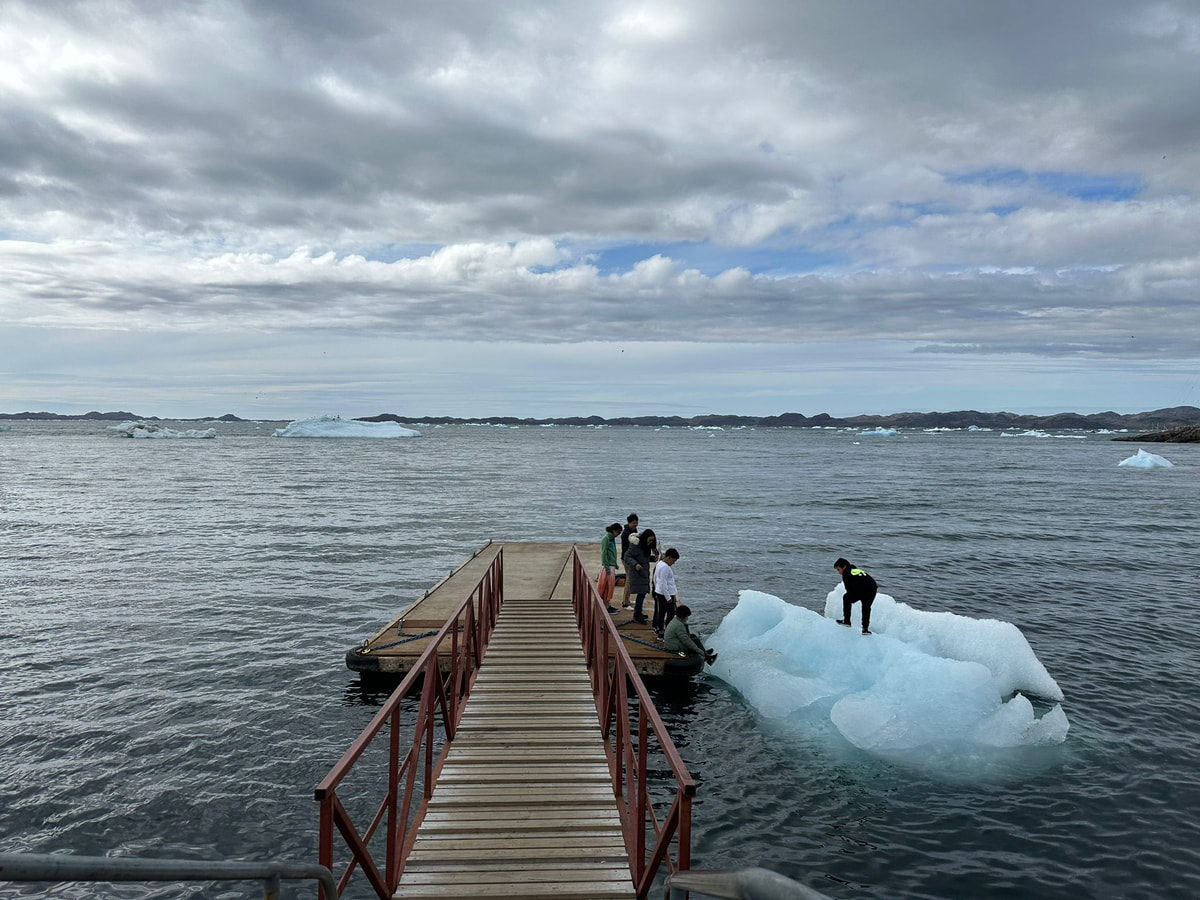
column 665, row 592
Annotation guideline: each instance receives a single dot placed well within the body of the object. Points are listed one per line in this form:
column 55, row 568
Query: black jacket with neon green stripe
column 859, row 585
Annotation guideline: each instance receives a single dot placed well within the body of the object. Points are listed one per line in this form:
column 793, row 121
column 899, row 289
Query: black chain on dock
column 630, row 637
column 362, row 651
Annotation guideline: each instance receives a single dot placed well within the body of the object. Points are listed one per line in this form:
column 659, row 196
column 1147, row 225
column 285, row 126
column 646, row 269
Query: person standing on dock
column 631, row 527
column 637, row 576
column 666, row 595
column 606, row 583
column 859, row 586
column 679, row 638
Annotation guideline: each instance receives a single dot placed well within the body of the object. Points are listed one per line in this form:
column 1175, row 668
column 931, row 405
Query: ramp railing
column 57, row 867
column 630, row 725
column 438, row 700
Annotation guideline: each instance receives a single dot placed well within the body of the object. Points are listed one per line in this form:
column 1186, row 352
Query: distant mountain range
column 112, row 417
column 1156, row 420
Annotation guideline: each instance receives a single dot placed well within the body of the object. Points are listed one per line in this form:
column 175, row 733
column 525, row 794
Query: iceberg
column 1144, row 460
column 159, row 432
column 337, row 427
column 929, row 690
column 878, row 432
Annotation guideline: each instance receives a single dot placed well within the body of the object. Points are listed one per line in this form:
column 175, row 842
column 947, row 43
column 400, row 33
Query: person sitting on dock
column 631, row 527
column 666, row 595
column 637, row 576
column 606, row 583
column 679, row 638
column 859, row 586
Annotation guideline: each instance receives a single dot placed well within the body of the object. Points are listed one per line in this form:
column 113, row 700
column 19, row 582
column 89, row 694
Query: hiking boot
column 843, row 622
column 865, row 631
column 641, row 620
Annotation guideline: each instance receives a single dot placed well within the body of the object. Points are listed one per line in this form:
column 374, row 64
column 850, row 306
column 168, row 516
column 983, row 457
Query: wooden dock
column 524, row 805
column 532, row 570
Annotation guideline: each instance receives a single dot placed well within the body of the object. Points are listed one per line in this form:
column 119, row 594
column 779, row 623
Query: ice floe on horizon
column 878, row 432
column 150, row 430
column 928, row 690
column 336, row 427
column 1144, row 460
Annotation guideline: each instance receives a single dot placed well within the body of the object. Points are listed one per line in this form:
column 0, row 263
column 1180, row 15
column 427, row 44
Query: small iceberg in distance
column 1144, row 460
column 337, row 427
column 152, row 431
column 878, row 432
column 934, row 691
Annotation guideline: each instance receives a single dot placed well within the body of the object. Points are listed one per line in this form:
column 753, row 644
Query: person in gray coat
column 637, row 575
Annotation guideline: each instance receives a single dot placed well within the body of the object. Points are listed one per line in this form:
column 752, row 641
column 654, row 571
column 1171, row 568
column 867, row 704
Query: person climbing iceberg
column 859, row 587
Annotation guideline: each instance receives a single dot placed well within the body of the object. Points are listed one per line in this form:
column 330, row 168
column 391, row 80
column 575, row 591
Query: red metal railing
column 616, row 684
column 467, row 631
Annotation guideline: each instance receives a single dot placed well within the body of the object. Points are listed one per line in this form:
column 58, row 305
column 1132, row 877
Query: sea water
column 174, row 616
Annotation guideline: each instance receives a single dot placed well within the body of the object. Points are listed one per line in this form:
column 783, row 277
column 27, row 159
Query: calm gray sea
column 174, row 616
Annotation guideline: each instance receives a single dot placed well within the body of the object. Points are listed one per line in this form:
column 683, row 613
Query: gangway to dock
column 519, row 747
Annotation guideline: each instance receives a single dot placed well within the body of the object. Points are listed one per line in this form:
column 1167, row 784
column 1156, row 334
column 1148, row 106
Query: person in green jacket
column 607, row 582
column 678, row 639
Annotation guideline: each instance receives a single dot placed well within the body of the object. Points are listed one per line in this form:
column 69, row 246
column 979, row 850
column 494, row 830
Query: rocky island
column 1184, row 434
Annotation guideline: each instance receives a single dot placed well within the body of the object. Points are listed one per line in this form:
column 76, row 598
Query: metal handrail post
column 55, row 867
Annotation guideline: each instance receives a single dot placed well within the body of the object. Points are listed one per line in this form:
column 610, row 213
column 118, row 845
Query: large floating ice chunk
column 335, row 427
column 160, row 432
column 923, row 685
column 1144, row 460
column 878, row 432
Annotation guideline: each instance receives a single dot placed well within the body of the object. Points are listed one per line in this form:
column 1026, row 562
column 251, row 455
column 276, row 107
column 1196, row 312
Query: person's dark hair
column 632, row 517
column 614, row 528
column 682, row 612
column 842, row 563
column 673, row 553
column 648, row 535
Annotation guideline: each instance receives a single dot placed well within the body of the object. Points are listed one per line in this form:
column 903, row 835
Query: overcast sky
column 281, row 208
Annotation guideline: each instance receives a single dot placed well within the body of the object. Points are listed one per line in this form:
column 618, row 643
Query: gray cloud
column 1007, row 179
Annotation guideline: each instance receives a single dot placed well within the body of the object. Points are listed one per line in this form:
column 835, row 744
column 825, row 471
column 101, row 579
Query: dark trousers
column 664, row 611
column 847, row 602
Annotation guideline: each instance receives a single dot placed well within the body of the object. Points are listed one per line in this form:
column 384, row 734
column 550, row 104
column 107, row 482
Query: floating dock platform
column 533, row 570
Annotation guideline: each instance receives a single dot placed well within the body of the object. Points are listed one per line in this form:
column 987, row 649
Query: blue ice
column 1144, row 460
column 335, row 427
column 922, row 683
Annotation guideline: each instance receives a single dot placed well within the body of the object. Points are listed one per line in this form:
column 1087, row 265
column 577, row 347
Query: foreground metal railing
column 468, row 631
column 737, row 884
column 618, row 688
column 57, row 867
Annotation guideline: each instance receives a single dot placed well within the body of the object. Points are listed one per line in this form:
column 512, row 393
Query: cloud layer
column 965, row 179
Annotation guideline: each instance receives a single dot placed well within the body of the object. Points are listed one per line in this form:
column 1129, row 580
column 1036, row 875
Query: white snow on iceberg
column 1144, row 460
column 925, row 688
column 878, row 432
column 159, row 432
column 336, row 427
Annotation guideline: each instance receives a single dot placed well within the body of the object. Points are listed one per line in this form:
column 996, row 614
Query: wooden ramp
column 524, row 806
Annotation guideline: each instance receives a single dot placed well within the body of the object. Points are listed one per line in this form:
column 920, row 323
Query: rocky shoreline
column 1184, row 434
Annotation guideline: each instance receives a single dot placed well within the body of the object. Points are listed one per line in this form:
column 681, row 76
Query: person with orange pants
column 607, row 582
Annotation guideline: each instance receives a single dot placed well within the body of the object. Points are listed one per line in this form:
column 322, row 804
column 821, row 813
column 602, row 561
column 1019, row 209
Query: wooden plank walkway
column 524, row 806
